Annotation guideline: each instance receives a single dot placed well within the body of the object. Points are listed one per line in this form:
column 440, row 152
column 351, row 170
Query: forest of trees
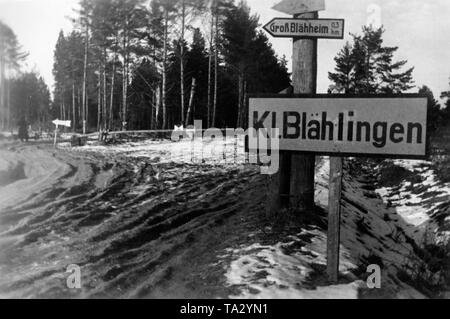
column 23, row 95
column 153, row 64
column 135, row 64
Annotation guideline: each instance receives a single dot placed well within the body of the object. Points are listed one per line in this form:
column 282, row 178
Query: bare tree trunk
column 74, row 122
column 210, row 72
column 104, row 92
column 241, row 95
column 164, row 75
column 79, row 103
column 124, row 97
column 65, row 111
column 111, row 102
column 99, row 101
column 191, row 102
column 244, row 116
column 152, row 106
column 8, row 104
column 183, row 26
column 216, row 69
column 85, row 100
column 125, row 79
column 63, row 117
column 158, row 106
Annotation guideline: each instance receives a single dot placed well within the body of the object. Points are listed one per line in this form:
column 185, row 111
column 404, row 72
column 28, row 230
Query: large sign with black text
column 345, row 126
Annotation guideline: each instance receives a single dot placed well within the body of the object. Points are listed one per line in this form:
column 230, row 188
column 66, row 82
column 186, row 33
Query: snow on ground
column 269, row 273
column 140, row 216
column 417, row 202
column 6, row 134
column 274, row 272
column 370, row 234
column 137, row 219
column 216, row 151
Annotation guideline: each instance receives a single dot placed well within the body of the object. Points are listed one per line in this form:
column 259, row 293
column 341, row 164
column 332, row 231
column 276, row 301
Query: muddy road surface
column 136, row 227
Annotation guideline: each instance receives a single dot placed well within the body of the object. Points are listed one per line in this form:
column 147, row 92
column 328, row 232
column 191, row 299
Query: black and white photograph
column 224, row 154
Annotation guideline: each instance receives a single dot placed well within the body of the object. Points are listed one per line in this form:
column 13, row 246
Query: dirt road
column 141, row 220
column 134, row 226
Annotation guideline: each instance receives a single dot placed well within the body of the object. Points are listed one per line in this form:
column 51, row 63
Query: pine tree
column 446, row 111
column 219, row 9
column 30, row 100
column 187, row 10
column 168, row 8
column 446, row 95
column 83, row 23
column 366, row 66
column 145, row 82
column 250, row 58
column 11, row 55
column 239, row 33
column 60, row 72
column 155, row 40
column 68, row 73
column 435, row 116
column 103, row 27
column 197, row 72
column 343, row 78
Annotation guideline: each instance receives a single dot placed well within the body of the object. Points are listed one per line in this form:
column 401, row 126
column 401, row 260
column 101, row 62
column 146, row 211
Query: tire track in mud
column 119, row 218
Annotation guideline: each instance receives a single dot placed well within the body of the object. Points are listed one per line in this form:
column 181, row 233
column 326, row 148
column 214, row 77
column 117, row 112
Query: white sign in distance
column 345, row 126
column 62, row 123
column 306, row 28
column 299, row 6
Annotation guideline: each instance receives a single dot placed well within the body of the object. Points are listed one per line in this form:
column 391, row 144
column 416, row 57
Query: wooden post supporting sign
column 57, row 124
column 304, row 80
column 334, row 218
column 297, row 171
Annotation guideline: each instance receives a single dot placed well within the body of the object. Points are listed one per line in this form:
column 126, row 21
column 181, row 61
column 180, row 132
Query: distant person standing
column 23, row 130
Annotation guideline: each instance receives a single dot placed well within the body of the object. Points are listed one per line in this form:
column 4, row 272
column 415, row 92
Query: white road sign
column 346, row 126
column 62, row 123
column 299, row 6
column 306, row 28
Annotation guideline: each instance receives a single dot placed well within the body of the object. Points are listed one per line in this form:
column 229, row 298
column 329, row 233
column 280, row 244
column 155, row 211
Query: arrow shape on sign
column 299, row 6
column 306, row 28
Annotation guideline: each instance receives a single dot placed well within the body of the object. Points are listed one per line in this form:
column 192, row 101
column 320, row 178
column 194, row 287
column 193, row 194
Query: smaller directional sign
column 62, row 123
column 306, row 28
column 299, row 6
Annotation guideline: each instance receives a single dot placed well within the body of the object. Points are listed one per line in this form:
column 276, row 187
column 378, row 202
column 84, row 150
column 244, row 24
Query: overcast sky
column 420, row 28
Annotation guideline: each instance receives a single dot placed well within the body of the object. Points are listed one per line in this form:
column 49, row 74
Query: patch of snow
column 411, row 205
column 269, row 272
column 216, row 152
column 6, row 134
column 410, row 165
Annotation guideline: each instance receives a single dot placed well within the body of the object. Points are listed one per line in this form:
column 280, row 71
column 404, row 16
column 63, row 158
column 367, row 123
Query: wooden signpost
column 57, row 124
column 344, row 126
column 386, row 126
column 297, row 171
